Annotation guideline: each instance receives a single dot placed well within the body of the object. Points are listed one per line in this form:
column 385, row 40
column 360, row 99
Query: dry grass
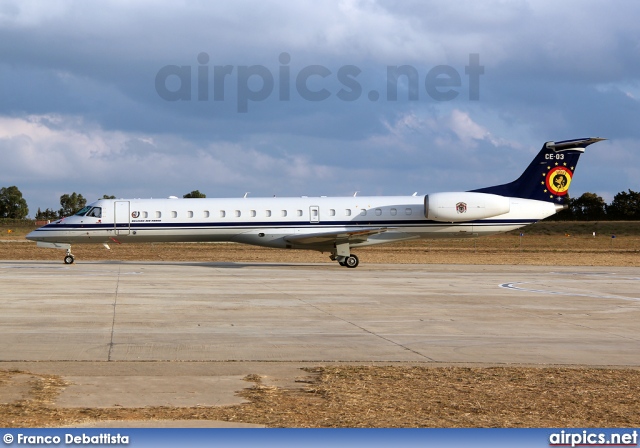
column 547, row 243
column 536, row 250
column 392, row 396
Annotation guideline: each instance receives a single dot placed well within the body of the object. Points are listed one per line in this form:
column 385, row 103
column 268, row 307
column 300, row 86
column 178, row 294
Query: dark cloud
column 81, row 107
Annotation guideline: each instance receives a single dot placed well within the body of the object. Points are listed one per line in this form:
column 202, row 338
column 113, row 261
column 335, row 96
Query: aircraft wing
column 357, row 235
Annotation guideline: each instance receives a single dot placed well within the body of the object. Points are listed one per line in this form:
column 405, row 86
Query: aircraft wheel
column 69, row 259
column 351, row 261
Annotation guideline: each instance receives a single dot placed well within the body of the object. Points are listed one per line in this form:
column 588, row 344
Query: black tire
column 351, row 261
column 69, row 259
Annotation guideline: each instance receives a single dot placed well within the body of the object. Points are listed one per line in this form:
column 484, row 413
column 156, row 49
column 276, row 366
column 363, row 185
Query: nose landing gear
column 69, row 258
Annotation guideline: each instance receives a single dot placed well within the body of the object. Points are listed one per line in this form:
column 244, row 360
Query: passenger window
column 347, row 212
column 223, row 213
column 158, row 214
column 378, row 212
column 394, row 212
column 174, row 214
column 299, row 212
column 363, row 212
column 238, row 214
column 189, row 214
column 145, row 214
column 284, row 213
column 268, row 213
column 407, row 211
column 253, row 213
column 206, row 213
column 332, row 212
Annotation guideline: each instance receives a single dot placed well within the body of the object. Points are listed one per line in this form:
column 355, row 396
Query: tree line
column 588, row 207
column 14, row 206
column 625, row 206
column 69, row 204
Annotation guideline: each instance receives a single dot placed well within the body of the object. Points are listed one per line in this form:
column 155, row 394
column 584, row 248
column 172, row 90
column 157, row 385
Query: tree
column 195, row 194
column 46, row 215
column 12, row 204
column 104, row 196
column 71, row 204
column 625, row 206
column 588, row 207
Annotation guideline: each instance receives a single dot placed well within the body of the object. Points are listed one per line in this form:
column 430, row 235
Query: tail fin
column 549, row 175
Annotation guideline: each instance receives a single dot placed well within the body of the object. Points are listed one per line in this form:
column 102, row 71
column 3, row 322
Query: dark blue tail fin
column 549, row 175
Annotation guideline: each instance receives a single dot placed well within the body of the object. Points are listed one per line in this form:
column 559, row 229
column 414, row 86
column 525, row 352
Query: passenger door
column 122, row 217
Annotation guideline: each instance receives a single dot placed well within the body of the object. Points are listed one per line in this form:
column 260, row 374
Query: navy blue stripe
column 305, row 224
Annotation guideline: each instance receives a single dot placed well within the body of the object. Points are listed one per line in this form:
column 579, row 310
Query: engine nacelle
column 464, row 206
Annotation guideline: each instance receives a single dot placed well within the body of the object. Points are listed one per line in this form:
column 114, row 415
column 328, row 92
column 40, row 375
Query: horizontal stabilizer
column 573, row 144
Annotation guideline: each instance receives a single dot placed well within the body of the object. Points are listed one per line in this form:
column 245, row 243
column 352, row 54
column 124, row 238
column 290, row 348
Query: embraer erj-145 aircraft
column 328, row 224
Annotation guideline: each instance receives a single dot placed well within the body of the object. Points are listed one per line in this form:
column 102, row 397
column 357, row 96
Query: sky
column 383, row 97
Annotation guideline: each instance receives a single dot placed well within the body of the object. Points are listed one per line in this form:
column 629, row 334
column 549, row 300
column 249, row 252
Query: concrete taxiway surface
column 181, row 334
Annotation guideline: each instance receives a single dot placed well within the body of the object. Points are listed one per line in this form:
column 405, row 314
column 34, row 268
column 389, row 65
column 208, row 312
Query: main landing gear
column 350, row 261
column 342, row 254
column 69, row 258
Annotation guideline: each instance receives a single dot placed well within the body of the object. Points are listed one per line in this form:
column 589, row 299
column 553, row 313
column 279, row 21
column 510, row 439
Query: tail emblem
column 557, row 180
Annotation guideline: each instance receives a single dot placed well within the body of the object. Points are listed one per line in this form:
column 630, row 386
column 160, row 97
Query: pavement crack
column 371, row 332
column 113, row 318
column 316, row 307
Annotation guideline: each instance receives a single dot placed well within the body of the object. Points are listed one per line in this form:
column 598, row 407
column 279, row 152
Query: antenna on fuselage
column 415, row 194
column 355, row 194
column 246, row 194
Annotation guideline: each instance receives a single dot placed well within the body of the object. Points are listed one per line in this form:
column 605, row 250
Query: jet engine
column 464, row 206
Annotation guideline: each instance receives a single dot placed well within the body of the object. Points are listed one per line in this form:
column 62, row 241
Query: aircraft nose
column 35, row 236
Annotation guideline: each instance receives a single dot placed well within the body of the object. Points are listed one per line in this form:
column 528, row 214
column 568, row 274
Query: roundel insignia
column 558, row 180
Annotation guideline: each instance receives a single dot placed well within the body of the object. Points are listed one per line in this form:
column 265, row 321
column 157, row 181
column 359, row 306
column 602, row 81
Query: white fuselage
column 275, row 222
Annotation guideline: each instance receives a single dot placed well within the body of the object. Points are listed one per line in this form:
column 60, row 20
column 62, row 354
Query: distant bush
column 591, row 207
column 17, row 222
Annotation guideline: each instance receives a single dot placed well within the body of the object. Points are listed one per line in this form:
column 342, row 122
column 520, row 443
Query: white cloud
column 466, row 129
column 61, row 154
column 442, row 127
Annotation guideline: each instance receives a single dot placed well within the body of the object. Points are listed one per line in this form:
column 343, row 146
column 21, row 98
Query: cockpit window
column 96, row 212
column 83, row 211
